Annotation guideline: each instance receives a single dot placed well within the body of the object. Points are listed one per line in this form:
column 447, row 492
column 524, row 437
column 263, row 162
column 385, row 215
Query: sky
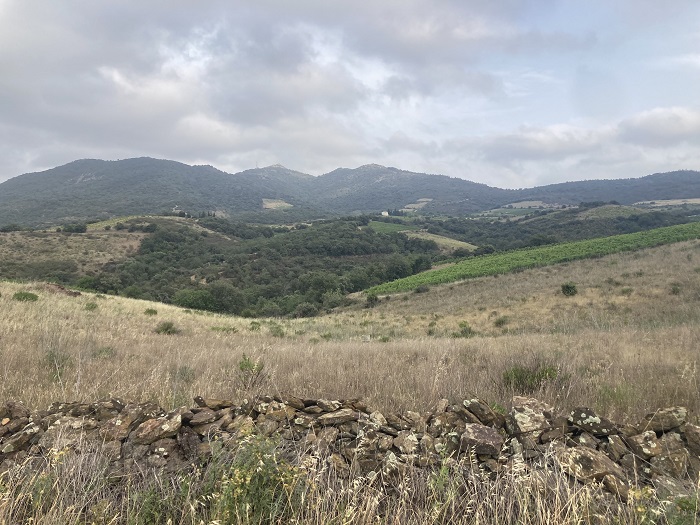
column 509, row 93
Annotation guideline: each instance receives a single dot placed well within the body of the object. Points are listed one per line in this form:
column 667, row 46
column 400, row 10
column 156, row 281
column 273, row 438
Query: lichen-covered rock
column 339, row 416
column 29, row 434
column 486, row 415
column 615, row 447
column 692, row 438
column 665, row 419
column 645, row 445
column 212, row 403
column 204, row 416
column 354, row 438
column 406, row 442
column 70, row 432
column 329, row 405
column 584, row 439
column 672, row 463
column 586, row 464
column 587, row 420
column 529, row 418
column 481, row 440
column 444, row 423
column 154, row 429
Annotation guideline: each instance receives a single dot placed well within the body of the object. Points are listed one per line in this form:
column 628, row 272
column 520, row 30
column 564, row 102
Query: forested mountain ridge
column 97, row 189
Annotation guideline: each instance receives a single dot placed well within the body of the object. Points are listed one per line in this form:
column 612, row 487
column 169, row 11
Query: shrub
column 421, row 288
column 276, row 330
column 150, row 311
column 167, row 328
column 182, row 374
column 501, row 321
column 372, row 300
column 305, row 310
column 25, row 296
column 250, row 373
column 103, row 352
column 464, row 330
column 260, row 486
column 254, row 326
column 527, row 379
column 569, row 289
column 225, row 329
column 675, row 289
column 91, row 307
column 57, row 362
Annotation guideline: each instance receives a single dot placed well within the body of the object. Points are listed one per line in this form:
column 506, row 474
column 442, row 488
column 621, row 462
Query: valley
column 314, row 317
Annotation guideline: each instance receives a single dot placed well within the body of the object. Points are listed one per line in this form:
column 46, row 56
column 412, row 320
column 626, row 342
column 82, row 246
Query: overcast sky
column 511, row 93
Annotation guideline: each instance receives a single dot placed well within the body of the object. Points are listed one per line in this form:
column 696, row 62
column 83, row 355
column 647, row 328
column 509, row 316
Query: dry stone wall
column 662, row 450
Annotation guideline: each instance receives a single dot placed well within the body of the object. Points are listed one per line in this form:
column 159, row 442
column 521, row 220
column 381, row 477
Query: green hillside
column 546, row 255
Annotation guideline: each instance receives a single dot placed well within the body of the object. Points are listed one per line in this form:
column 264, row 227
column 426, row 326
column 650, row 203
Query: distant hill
column 87, row 189
column 98, row 189
column 660, row 186
column 373, row 187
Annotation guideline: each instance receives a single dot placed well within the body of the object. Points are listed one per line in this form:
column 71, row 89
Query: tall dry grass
column 261, row 483
column 55, row 349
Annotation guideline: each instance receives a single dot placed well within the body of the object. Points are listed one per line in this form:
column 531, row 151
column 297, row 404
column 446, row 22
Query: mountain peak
column 371, row 166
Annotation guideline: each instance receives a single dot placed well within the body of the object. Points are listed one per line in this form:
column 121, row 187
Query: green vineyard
column 542, row 256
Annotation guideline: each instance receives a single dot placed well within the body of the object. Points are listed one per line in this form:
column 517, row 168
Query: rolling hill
column 97, row 189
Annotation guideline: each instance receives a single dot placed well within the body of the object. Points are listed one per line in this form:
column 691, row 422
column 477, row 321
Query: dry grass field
column 626, row 344
column 85, row 252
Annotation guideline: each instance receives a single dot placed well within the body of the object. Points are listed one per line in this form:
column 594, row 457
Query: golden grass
column 275, row 204
column 444, row 243
column 90, row 251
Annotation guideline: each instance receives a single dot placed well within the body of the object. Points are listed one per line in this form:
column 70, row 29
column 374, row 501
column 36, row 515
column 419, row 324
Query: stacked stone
column 663, row 449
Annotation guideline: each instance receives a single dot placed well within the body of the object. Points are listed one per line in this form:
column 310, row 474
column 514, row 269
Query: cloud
column 662, row 127
column 499, row 91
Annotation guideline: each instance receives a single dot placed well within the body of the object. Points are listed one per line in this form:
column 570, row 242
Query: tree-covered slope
column 373, row 187
column 87, row 189
column 98, row 189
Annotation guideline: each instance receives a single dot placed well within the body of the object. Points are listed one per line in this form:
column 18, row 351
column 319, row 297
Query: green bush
column 372, row 300
column 501, row 321
column 276, row 330
column 464, row 330
column 25, row 296
column 57, row 362
column 91, row 307
column 527, row 379
column 150, row 311
column 103, row 352
column 167, row 328
column 569, row 289
column 250, row 373
column 260, row 487
column 306, row 310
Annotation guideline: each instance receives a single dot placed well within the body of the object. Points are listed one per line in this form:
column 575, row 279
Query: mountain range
column 96, row 189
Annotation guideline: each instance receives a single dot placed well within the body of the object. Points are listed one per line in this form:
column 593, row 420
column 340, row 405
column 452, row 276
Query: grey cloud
column 552, row 143
column 316, row 84
column 662, row 127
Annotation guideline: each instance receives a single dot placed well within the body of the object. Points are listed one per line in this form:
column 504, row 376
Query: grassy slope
column 390, row 227
column 500, row 263
column 641, row 307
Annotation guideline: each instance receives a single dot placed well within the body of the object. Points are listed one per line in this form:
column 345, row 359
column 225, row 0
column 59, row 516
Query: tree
column 198, row 299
